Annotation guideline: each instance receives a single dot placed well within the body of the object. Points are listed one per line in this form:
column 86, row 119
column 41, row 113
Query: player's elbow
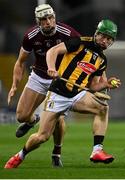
column 52, row 52
column 56, row 50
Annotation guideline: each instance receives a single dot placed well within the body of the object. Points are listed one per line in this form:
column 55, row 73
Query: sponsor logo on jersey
column 88, row 68
column 37, row 43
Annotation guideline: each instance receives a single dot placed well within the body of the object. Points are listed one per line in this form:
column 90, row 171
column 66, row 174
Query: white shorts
column 38, row 84
column 57, row 103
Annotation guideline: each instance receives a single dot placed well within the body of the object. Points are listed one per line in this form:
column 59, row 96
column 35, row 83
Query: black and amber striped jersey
column 83, row 60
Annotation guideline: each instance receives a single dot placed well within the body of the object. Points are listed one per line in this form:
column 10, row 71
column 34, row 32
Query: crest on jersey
column 51, row 104
column 58, row 41
column 88, row 68
column 48, row 43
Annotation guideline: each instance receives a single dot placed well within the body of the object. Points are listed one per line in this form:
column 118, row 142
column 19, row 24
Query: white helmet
column 43, row 10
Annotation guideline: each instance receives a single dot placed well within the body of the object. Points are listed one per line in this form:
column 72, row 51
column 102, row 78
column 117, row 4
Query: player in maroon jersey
column 39, row 39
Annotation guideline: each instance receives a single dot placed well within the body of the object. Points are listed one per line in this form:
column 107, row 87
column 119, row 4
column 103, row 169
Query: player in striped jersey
column 83, row 58
column 39, row 39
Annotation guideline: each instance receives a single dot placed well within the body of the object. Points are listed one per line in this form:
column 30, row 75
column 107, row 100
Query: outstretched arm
column 18, row 72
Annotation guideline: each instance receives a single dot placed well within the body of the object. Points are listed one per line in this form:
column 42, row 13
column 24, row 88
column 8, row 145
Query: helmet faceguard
column 107, row 27
column 43, row 11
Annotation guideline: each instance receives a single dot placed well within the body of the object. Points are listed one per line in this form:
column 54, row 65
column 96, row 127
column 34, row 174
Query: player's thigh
column 29, row 101
column 89, row 104
column 47, row 123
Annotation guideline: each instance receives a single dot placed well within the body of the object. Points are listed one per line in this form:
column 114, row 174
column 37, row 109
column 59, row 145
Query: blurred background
column 83, row 15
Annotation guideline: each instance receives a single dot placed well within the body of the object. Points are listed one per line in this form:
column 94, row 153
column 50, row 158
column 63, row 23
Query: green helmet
column 107, row 27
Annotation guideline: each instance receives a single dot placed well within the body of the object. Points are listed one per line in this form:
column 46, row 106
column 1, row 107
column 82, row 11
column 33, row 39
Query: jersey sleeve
column 72, row 44
column 101, row 69
column 26, row 44
column 74, row 33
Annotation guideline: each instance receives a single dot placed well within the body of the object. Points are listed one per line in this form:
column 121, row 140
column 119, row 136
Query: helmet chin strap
column 99, row 45
column 96, row 42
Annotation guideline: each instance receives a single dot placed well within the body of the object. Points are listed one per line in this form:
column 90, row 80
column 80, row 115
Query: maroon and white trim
column 63, row 30
column 33, row 33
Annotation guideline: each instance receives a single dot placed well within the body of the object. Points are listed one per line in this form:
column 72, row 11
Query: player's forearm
column 99, row 86
column 51, row 59
column 99, row 83
column 18, row 74
column 52, row 54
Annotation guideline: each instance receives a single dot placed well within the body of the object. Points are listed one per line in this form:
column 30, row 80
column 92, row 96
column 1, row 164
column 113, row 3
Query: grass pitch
column 75, row 154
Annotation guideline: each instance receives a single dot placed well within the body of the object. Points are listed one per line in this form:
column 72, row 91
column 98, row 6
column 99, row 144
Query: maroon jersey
column 35, row 41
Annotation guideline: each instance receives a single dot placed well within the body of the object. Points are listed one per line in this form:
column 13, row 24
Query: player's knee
column 41, row 138
column 103, row 110
column 61, row 121
column 22, row 116
column 62, row 126
column 61, row 118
